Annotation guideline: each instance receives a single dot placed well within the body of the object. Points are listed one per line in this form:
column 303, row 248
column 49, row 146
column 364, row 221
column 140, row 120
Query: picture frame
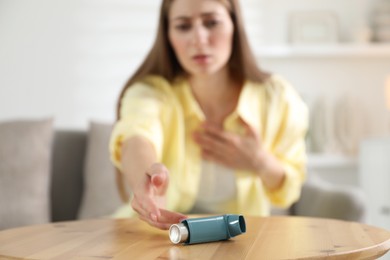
column 313, row 27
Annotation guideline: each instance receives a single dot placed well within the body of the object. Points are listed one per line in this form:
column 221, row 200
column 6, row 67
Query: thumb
column 159, row 177
column 249, row 130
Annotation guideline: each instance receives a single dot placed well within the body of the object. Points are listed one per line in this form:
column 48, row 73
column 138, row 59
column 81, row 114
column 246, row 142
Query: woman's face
column 201, row 34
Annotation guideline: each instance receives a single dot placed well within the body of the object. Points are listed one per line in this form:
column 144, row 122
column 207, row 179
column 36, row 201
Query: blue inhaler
column 207, row 229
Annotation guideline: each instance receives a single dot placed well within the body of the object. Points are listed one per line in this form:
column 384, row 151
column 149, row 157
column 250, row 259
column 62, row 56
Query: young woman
column 201, row 128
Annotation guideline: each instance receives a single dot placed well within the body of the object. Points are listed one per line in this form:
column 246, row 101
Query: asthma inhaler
column 207, row 229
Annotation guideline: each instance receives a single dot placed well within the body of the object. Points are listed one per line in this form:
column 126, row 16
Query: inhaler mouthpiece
column 178, row 233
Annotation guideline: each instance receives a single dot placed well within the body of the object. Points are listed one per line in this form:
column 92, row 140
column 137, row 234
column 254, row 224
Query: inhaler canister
column 207, row 229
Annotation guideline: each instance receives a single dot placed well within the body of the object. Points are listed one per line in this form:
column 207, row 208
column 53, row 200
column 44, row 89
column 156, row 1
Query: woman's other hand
column 229, row 149
column 149, row 198
column 243, row 152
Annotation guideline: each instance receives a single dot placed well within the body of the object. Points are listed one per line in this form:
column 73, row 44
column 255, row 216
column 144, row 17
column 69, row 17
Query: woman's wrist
column 269, row 169
column 260, row 162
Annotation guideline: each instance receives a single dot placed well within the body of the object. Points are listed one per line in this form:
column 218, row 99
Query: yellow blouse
column 167, row 115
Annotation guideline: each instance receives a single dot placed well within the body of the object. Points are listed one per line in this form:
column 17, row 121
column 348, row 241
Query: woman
column 201, row 128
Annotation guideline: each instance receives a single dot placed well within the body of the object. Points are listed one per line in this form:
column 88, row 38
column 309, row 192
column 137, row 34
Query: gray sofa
column 82, row 184
column 319, row 198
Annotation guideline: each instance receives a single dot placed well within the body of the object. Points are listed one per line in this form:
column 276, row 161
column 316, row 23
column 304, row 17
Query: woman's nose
column 200, row 36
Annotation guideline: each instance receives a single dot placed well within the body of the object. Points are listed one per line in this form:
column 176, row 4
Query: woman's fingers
column 171, row 217
column 155, row 224
column 216, row 144
column 216, row 132
column 227, row 148
column 146, row 207
column 209, row 143
column 164, row 221
column 159, row 177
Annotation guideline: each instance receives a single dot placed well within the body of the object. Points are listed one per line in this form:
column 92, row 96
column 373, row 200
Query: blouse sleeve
column 140, row 115
column 291, row 125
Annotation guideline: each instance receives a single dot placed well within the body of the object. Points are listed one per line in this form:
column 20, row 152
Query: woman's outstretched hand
column 149, row 198
column 229, row 149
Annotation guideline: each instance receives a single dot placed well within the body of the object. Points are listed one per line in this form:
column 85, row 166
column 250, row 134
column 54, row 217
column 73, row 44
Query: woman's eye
column 211, row 23
column 183, row 27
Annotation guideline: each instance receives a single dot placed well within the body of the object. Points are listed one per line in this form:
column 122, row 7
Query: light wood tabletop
column 266, row 238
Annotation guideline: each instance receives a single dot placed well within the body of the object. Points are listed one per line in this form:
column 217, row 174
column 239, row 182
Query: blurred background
column 68, row 60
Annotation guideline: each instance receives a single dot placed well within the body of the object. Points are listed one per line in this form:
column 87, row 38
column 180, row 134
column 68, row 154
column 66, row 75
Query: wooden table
column 266, row 238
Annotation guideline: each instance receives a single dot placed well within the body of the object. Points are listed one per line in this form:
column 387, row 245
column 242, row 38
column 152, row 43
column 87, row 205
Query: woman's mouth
column 201, row 58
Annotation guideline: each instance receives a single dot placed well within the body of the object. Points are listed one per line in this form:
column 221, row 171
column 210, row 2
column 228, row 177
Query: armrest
column 320, row 198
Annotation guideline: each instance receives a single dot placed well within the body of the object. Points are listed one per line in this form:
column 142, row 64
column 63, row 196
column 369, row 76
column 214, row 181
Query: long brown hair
column 161, row 59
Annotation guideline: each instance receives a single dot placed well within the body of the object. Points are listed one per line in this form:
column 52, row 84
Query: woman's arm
column 148, row 181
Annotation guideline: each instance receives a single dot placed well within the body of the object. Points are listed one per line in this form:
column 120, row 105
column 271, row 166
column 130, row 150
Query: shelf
column 345, row 50
column 321, row 161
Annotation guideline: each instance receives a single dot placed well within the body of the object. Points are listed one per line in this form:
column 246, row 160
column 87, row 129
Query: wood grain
column 266, row 238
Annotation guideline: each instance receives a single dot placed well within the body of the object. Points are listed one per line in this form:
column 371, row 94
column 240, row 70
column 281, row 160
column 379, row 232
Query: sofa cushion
column 25, row 148
column 320, row 198
column 67, row 178
column 101, row 197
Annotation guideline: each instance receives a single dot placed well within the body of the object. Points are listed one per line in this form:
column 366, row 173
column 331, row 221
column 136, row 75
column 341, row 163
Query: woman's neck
column 217, row 95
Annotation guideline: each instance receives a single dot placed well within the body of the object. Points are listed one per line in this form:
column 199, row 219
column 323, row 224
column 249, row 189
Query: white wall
column 69, row 59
